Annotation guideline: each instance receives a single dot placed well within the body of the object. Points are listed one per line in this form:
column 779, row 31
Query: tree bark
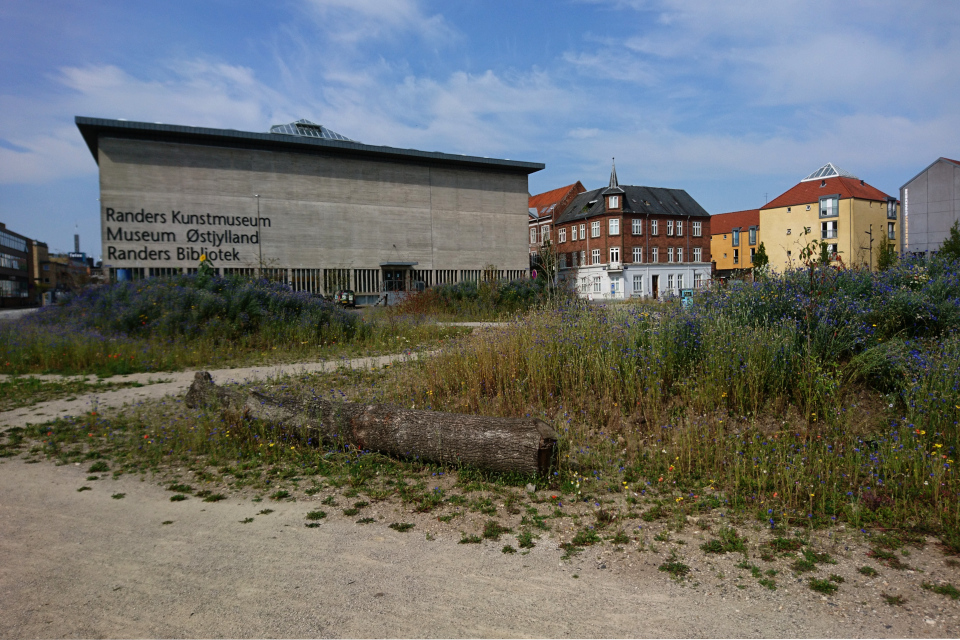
column 521, row 445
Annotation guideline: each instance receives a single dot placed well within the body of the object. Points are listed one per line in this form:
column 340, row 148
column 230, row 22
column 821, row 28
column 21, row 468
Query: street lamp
column 259, row 239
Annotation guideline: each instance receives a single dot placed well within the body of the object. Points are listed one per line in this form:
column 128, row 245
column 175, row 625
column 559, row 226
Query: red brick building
column 628, row 241
column 543, row 208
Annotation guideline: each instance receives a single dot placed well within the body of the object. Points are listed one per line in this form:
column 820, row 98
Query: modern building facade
column 630, row 241
column 931, row 205
column 734, row 238
column 14, row 269
column 304, row 205
column 851, row 216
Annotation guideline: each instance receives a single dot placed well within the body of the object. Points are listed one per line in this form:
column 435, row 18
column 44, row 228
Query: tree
column 886, row 256
column 950, row 249
column 761, row 261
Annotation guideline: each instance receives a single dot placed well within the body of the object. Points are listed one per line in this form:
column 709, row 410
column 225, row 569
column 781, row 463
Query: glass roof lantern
column 829, row 170
column 307, row 129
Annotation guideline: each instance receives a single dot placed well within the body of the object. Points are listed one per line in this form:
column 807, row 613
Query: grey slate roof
column 93, row 128
column 636, row 200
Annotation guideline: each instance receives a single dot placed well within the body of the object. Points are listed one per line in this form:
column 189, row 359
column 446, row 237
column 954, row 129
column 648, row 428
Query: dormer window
column 613, row 202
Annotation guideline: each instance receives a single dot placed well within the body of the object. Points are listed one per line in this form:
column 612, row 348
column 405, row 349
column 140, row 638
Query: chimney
column 76, row 243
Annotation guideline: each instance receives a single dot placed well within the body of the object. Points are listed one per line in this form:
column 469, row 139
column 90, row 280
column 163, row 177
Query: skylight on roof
column 829, row 170
column 307, row 129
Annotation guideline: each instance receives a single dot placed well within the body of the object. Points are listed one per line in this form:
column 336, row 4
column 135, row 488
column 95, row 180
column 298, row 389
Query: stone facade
column 321, row 215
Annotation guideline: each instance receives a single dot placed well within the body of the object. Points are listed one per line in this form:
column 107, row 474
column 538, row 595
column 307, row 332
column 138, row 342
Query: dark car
column 345, row 297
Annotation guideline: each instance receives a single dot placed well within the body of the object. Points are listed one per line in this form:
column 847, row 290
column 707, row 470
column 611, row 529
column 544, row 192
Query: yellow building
column 852, row 217
column 734, row 239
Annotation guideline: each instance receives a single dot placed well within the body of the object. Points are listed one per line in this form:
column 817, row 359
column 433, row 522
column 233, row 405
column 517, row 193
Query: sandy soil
column 81, row 564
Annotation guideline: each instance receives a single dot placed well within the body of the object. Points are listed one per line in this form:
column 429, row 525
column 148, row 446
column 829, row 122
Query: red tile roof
column 810, row 192
column 726, row 222
column 542, row 202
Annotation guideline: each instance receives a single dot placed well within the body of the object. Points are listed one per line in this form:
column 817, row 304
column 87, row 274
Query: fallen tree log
column 521, row 445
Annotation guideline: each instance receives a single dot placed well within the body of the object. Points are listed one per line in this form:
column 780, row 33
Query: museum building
column 304, row 205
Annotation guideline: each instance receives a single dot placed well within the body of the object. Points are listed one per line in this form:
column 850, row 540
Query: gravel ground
column 83, row 564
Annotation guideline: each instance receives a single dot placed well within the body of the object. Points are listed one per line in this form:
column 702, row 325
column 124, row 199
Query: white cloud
column 355, row 22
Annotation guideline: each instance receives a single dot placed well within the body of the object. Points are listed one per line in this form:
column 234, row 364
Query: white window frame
column 562, row 233
column 614, row 254
column 697, row 280
column 669, row 282
column 563, row 260
column 638, row 255
column 533, row 235
column 697, row 229
column 573, row 233
column 638, row 284
column 583, row 258
column 613, row 202
column 679, row 281
column 583, row 231
column 595, row 256
column 636, row 226
column 654, row 254
column 679, row 227
column 595, row 229
column 596, row 284
column 653, row 227
column 670, row 254
column 828, row 230
column 613, row 227
column 545, row 233
column 697, row 254
column 669, row 227
column 679, row 254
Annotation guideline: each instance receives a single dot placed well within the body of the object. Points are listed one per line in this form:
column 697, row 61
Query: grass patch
column 728, row 541
column 943, row 589
column 178, row 497
column 492, row 530
column 674, row 567
column 469, row 539
column 525, row 540
column 119, row 496
column 401, row 526
column 870, row 572
column 99, row 467
column 825, row 587
column 893, row 601
column 316, row 515
column 508, row 549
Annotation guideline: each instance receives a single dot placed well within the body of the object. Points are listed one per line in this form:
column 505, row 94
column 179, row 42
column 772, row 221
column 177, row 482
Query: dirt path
column 158, row 385
column 81, row 564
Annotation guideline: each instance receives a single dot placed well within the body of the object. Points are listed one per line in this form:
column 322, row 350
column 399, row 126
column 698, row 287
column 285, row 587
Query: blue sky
column 733, row 101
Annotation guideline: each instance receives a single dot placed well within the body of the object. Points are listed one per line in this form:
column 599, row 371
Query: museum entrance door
column 394, row 279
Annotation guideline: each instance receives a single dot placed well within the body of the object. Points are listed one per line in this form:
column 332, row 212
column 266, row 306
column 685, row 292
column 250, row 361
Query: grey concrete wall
column 930, row 204
column 324, row 211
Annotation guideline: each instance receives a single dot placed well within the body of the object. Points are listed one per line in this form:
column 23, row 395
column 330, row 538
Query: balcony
column 828, row 234
column 615, row 266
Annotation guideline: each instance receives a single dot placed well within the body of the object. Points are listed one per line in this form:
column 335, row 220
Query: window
column 832, row 249
column 679, row 254
column 583, row 232
column 753, row 253
column 669, row 227
column 679, row 227
column 891, row 209
column 583, row 257
column 697, row 254
column 533, row 235
column 573, row 259
column 615, row 286
column 829, row 206
column 654, row 255
column 614, row 254
column 573, row 233
column 697, row 280
column 563, row 235
column 669, row 282
column 583, row 285
column 653, row 227
column 753, row 236
column 735, row 238
column 544, row 233
column 736, row 256
column 614, row 226
column 613, row 202
column 670, row 254
column 596, row 284
column 595, row 229
column 636, row 226
column 638, row 255
column 680, row 281
column 828, row 229
column 595, row 256
column 563, row 261
column 697, row 229
column 891, row 231
column 638, row 284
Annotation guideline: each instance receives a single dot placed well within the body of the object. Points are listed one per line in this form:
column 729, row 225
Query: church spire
column 613, row 175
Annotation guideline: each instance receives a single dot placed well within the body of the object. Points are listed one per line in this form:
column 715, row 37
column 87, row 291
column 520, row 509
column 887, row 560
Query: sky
column 733, row 101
